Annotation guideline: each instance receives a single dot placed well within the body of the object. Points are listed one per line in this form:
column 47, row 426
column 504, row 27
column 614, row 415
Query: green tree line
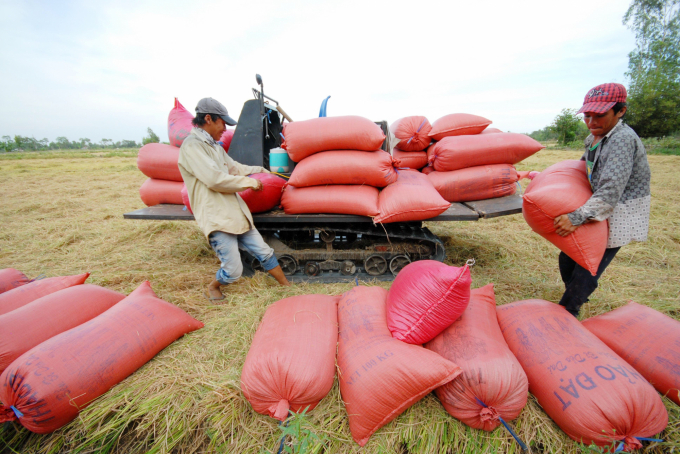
column 654, row 73
column 24, row 143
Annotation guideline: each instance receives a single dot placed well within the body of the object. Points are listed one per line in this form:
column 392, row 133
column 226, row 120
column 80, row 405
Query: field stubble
column 63, row 215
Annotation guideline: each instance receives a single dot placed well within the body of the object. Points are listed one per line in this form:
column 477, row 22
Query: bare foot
column 214, row 293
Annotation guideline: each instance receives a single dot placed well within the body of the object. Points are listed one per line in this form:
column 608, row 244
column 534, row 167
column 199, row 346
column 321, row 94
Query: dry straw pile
column 63, row 215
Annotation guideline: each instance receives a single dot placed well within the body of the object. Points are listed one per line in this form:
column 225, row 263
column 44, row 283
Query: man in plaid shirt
column 619, row 175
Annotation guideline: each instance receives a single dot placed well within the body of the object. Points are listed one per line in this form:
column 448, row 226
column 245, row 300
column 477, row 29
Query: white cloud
column 84, row 69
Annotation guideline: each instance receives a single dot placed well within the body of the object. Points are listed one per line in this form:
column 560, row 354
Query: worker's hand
column 563, row 225
column 259, row 186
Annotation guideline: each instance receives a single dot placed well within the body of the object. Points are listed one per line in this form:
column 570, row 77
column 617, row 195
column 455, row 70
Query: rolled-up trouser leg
column 252, row 242
column 582, row 284
column 225, row 246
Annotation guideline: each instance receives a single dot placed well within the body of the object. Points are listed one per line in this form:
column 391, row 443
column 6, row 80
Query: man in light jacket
column 213, row 180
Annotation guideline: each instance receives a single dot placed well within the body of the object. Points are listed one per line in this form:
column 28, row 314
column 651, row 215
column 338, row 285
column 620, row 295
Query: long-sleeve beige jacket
column 213, row 179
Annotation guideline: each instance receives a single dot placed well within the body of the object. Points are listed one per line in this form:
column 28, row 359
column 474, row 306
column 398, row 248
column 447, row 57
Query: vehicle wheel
column 327, row 236
column 288, row 264
column 256, row 265
column 398, row 262
column 312, row 269
column 375, row 265
column 348, row 268
column 426, row 249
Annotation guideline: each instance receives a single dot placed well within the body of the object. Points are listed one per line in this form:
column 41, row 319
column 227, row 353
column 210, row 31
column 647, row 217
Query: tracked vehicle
column 329, row 247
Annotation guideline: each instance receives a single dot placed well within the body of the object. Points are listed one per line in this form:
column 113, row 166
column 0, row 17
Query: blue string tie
column 356, row 279
column 281, row 134
column 505, row 424
column 16, row 411
column 419, row 128
column 283, row 439
column 622, row 444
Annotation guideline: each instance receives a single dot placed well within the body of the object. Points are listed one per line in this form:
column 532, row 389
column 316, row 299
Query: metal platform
column 280, row 221
column 466, row 211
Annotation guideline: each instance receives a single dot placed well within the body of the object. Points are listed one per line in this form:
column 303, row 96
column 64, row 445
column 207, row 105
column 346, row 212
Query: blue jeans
column 226, row 246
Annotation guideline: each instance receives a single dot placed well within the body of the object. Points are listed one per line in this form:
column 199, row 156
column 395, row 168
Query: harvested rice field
column 62, row 215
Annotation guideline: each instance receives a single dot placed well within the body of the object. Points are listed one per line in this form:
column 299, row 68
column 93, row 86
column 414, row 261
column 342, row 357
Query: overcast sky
column 112, row 69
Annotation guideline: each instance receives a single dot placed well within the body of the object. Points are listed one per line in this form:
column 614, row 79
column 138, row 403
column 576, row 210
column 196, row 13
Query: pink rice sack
column 412, row 133
column 425, row 298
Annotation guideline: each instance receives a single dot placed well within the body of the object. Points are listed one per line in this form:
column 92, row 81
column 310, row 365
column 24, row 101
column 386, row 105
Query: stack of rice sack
column 63, row 343
column 159, row 161
column 468, row 161
column 413, row 138
column 382, row 366
column 412, row 197
column 164, row 185
column 481, row 360
column 431, row 303
column 340, row 166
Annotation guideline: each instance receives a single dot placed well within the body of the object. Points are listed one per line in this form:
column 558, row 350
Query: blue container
column 278, row 160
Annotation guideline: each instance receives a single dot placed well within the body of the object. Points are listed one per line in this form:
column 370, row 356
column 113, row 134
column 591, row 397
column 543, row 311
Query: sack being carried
column 266, row 199
column 561, row 189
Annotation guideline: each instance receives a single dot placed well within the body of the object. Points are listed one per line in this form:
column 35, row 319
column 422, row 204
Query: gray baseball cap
column 213, row 106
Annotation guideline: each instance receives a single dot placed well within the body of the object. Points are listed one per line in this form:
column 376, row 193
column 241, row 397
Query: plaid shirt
column 621, row 187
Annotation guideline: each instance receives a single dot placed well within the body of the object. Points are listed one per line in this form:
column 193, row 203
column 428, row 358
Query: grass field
column 62, row 214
